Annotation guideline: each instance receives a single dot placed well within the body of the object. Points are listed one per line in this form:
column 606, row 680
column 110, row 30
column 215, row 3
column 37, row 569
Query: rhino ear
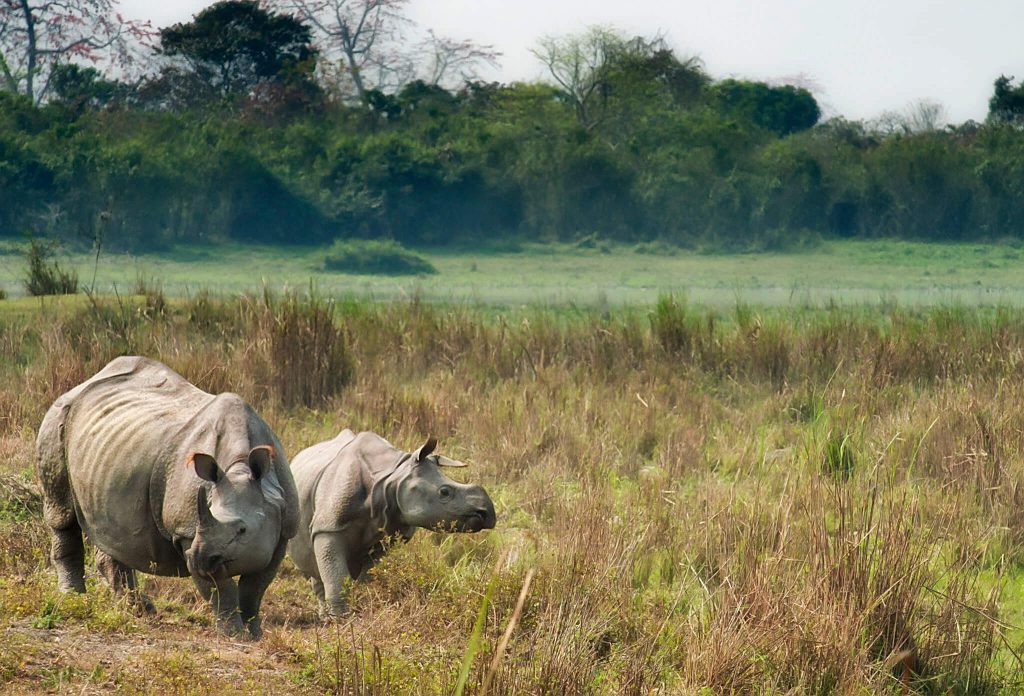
column 261, row 460
column 205, row 466
column 424, row 451
column 445, row 461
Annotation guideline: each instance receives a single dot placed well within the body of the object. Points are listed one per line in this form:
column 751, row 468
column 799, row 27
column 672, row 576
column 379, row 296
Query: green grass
column 848, row 272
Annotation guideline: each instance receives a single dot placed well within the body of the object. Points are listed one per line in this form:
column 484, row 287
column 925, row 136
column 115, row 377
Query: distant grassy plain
column 847, row 272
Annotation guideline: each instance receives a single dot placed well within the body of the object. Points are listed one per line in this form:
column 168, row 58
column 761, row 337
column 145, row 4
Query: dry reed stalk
column 507, row 635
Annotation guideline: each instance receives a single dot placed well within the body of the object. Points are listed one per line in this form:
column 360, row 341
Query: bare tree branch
column 451, row 63
column 36, row 35
column 352, row 34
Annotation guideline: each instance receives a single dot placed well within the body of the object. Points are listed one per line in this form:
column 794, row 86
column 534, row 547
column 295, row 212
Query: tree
column 36, row 35
column 643, row 69
column 79, row 87
column 602, row 72
column 451, row 63
column 359, row 36
column 577, row 64
column 238, row 46
column 1007, row 102
column 921, row 116
column 782, row 110
column 364, row 42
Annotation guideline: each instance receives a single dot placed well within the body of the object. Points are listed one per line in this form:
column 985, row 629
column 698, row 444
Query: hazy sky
column 864, row 56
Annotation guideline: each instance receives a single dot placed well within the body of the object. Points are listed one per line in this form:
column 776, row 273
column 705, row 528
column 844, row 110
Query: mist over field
column 740, row 375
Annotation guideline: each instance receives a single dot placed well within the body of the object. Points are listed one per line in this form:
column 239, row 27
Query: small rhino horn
column 204, row 516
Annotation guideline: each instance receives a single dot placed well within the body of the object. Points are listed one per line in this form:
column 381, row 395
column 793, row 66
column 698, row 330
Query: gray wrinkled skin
column 169, row 480
column 357, row 492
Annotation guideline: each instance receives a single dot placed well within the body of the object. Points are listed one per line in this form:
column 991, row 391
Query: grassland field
column 838, row 271
column 798, row 474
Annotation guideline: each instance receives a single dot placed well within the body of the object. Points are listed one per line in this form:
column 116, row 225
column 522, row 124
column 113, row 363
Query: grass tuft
column 44, row 276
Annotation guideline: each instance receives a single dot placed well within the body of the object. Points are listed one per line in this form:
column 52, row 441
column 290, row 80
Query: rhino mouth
column 212, row 568
column 477, row 521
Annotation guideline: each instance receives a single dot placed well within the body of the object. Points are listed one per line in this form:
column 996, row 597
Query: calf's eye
column 446, row 492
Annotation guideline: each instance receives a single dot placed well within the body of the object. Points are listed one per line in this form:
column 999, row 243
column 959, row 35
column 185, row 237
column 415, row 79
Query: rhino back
column 118, row 431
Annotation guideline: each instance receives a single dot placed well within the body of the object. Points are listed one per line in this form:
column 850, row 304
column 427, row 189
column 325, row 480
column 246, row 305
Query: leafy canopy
column 238, row 45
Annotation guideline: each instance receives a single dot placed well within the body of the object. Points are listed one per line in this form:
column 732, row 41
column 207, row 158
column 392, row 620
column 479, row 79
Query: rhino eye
column 445, row 492
column 241, row 530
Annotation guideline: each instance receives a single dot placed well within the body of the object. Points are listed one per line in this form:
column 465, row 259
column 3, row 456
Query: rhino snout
column 482, row 516
column 205, row 565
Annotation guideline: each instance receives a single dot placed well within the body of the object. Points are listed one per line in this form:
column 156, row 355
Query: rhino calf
column 167, row 479
column 357, row 492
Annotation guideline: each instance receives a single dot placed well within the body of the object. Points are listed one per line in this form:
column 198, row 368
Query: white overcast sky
column 864, row 56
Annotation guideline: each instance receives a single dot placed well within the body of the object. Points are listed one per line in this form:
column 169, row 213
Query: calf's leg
column 329, row 548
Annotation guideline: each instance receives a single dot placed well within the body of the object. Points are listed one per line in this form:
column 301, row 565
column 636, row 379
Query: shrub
column 375, row 257
column 44, row 276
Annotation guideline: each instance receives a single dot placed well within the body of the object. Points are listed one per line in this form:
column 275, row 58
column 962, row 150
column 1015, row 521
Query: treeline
column 243, row 140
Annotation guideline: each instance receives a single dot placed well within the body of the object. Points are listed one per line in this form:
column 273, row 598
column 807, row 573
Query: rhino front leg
column 331, row 561
column 251, row 589
column 121, row 579
column 223, row 597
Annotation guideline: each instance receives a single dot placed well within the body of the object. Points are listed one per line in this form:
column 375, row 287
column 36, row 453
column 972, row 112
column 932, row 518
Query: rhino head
column 238, row 523
column 427, row 498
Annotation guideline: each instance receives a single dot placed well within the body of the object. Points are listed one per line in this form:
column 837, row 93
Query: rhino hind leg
column 121, row 579
column 67, row 547
column 67, row 551
column 223, row 597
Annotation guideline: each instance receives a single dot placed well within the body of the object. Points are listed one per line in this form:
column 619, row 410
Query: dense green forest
column 236, row 132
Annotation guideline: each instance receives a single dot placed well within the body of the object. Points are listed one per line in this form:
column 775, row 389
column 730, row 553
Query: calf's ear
column 445, row 461
column 261, row 461
column 205, row 466
column 424, row 451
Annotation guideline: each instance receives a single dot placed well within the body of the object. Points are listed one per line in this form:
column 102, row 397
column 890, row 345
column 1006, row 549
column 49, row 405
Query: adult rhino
column 358, row 492
column 167, row 479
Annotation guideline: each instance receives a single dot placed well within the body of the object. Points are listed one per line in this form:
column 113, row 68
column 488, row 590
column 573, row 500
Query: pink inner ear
column 260, row 471
column 212, row 474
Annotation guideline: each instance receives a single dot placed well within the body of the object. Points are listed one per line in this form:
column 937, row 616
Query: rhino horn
column 424, row 451
column 203, row 514
column 445, row 461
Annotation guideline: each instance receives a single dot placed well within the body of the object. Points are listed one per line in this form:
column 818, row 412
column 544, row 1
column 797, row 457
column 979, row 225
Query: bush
column 375, row 257
column 46, row 277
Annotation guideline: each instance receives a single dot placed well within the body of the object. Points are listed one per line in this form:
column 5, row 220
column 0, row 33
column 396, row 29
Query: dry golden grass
column 816, row 501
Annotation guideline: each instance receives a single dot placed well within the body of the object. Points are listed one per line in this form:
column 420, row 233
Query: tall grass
column 819, row 501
